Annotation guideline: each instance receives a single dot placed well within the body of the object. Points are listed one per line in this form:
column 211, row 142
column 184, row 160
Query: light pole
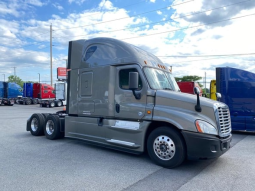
column 39, row 78
column 4, row 77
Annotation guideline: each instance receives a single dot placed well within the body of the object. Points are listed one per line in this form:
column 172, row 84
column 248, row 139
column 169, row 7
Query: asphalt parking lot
column 36, row 163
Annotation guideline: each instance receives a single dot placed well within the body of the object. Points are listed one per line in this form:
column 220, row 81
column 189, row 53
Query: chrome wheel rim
column 50, row 127
column 59, row 104
column 34, row 124
column 52, row 104
column 164, row 147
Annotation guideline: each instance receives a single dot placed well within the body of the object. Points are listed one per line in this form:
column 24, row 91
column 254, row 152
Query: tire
column 37, row 123
column 34, row 101
column 9, row 103
column 45, row 115
column 59, row 103
column 52, row 104
column 166, row 147
column 52, row 128
column 28, row 102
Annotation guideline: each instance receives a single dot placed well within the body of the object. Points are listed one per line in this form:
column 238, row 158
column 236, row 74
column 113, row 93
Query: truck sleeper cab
column 9, row 93
column 27, row 98
column 237, row 88
column 61, row 94
column 45, row 94
column 123, row 97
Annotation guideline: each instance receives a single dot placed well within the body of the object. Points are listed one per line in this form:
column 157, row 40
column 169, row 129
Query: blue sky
column 181, row 30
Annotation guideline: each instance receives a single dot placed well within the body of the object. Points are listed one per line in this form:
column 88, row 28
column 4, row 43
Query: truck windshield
column 160, row 80
column 172, row 81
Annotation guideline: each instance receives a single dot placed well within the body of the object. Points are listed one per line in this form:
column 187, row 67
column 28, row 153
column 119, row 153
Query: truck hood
column 185, row 97
column 184, row 102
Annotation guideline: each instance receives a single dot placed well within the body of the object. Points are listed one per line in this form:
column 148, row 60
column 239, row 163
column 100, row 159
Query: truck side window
column 45, row 91
column 124, row 79
column 89, row 52
column 45, row 87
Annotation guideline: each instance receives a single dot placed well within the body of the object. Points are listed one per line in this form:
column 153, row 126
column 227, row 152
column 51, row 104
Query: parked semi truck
column 188, row 87
column 125, row 98
column 237, row 88
column 9, row 92
column 61, row 94
column 27, row 99
column 45, row 94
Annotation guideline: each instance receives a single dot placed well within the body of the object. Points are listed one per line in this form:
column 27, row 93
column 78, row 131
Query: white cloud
column 79, row 2
column 106, row 4
column 34, row 2
column 58, row 6
column 153, row 1
column 19, row 8
column 159, row 12
column 5, row 9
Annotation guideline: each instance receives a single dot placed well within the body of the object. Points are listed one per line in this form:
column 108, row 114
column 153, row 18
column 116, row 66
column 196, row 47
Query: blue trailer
column 9, row 92
column 27, row 98
column 237, row 88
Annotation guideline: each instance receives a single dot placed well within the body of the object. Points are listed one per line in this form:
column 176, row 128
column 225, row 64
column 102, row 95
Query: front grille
column 224, row 122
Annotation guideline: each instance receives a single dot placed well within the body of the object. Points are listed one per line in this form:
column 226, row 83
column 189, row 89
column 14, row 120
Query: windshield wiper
column 167, row 89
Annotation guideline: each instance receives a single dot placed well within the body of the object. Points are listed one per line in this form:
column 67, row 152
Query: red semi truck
column 45, row 94
column 188, row 87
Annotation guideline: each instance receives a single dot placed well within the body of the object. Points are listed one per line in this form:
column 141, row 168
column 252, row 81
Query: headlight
column 204, row 127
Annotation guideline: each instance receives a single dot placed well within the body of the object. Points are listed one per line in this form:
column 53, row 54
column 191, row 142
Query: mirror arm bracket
column 198, row 107
column 136, row 94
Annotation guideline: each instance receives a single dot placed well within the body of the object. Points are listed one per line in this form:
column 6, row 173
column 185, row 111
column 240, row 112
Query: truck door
column 126, row 105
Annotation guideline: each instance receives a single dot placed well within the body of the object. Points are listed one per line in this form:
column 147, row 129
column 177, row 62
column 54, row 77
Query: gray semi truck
column 122, row 97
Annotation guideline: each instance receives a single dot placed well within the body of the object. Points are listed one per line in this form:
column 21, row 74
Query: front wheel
column 166, row 147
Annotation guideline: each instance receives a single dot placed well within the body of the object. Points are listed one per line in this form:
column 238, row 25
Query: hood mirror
column 196, row 90
column 197, row 107
column 218, row 96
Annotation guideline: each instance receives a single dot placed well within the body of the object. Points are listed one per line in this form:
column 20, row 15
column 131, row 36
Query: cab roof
column 108, row 51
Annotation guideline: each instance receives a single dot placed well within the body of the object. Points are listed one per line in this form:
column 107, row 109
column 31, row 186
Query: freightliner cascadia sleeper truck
column 122, row 97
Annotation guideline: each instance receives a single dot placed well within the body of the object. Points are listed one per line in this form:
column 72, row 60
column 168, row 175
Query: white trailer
column 61, row 94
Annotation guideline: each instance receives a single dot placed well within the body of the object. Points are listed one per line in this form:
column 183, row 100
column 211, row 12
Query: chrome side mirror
column 197, row 106
column 133, row 84
column 196, row 90
column 218, row 95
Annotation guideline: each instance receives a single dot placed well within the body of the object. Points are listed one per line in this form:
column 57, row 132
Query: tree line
column 18, row 80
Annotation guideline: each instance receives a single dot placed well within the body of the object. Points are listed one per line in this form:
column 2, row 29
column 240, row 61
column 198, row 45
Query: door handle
column 117, row 107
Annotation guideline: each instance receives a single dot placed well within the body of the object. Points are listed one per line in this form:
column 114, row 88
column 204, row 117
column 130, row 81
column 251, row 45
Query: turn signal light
column 198, row 127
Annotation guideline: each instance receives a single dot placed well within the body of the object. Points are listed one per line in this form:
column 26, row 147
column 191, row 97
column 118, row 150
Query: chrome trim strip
column 121, row 142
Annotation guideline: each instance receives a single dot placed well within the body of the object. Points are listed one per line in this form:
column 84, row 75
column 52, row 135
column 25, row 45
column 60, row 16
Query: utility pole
column 39, row 78
column 51, row 54
column 205, row 81
column 14, row 73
